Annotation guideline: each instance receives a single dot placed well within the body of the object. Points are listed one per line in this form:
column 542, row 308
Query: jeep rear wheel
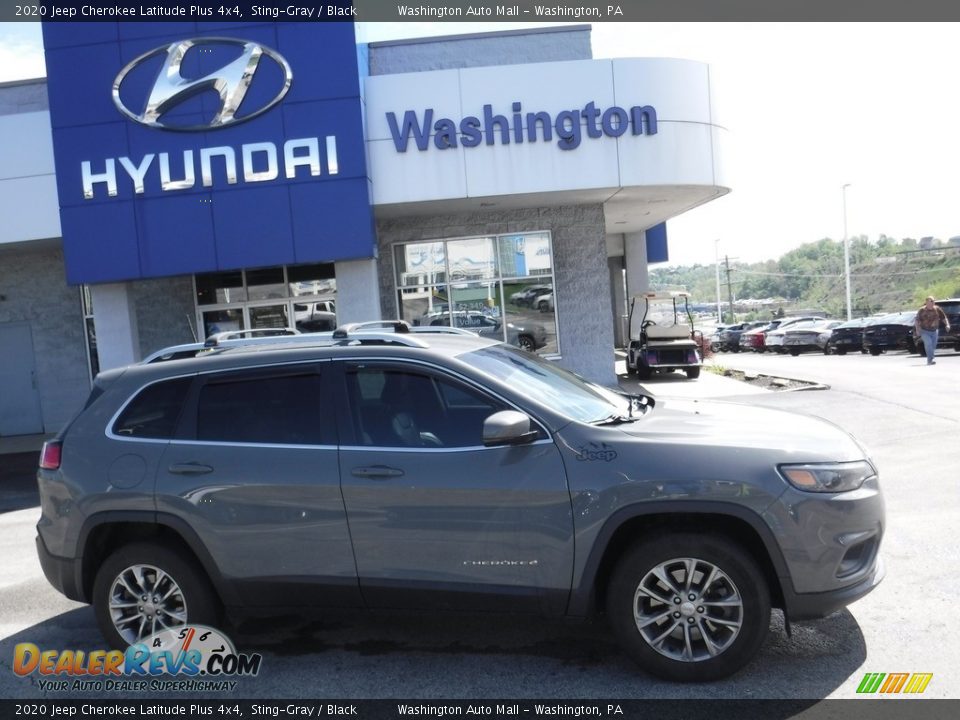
column 689, row 607
column 144, row 588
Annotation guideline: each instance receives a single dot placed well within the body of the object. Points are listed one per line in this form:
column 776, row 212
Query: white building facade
column 511, row 180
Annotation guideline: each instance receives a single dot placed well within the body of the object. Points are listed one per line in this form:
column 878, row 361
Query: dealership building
column 171, row 180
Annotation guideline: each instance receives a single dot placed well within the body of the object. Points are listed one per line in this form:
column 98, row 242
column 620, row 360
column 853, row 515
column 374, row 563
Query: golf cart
column 662, row 335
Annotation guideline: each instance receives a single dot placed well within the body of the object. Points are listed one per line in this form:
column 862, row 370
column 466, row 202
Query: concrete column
column 358, row 291
column 635, row 257
column 618, row 300
column 115, row 321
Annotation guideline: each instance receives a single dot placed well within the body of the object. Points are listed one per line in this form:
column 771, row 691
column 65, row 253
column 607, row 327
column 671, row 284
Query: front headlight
column 827, row 477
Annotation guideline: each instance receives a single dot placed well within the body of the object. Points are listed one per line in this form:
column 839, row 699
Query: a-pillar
column 115, row 322
column 358, row 291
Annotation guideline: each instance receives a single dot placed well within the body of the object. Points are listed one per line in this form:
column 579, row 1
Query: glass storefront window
column 216, row 321
column 301, row 296
column 500, row 287
column 219, row 288
column 421, row 263
column 472, row 259
column 525, row 254
column 89, row 331
column 266, row 284
column 317, row 279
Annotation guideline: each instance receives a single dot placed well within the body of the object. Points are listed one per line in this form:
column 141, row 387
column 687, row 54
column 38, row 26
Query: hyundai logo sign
column 173, row 101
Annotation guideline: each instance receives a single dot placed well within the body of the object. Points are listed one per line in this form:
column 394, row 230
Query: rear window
column 284, row 410
column 155, row 410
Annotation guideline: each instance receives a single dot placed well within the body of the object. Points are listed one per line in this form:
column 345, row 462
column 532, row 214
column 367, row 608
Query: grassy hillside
column 885, row 276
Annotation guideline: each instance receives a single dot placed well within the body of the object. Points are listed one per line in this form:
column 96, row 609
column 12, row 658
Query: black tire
column 841, row 351
column 692, row 373
column 644, row 372
column 875, row 351
column 526, row 343
column 198, row 602
column 543, row 307
column 794, row 352
column 738, row 577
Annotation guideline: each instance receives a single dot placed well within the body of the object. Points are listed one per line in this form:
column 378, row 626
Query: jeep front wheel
column 689, row 607
column 144, row 588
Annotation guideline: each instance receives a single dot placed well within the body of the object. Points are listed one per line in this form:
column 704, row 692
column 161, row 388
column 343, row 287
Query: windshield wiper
column 616, row 420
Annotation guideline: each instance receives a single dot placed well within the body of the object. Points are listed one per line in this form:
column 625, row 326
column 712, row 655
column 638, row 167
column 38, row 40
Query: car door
column 253, row 471
column 437, row 519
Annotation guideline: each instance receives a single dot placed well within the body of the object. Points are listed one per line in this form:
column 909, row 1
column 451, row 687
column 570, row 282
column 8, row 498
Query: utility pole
column 733, row 317
column 846, row 252
column 716, row 258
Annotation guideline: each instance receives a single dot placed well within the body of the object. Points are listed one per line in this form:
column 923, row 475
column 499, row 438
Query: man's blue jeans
column 929, row 338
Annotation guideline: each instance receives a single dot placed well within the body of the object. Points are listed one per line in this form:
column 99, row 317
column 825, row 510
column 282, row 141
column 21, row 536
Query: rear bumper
column 62, row 573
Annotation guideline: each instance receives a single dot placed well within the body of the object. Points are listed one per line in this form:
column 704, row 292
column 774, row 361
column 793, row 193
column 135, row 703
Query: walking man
column 927, row 326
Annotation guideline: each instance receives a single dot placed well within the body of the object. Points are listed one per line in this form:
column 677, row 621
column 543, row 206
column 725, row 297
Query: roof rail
column 398, row 326
column 401, row 326
column 249, row 334
column 358, row 333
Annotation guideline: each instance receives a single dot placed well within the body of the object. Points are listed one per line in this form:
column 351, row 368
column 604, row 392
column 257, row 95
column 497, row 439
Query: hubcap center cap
column 688, row 609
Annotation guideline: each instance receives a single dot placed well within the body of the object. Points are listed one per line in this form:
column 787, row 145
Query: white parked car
column 774, row 339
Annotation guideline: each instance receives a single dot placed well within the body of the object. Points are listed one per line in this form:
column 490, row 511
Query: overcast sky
column 810, row 107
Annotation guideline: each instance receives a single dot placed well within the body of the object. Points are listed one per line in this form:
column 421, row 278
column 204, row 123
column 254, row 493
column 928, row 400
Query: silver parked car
column 387, row 470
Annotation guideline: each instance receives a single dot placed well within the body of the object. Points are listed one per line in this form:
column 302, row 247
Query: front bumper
column 811, row 606
column 830, row 544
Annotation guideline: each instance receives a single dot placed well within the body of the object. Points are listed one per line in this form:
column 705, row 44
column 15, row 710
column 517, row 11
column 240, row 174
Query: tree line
column 886, row 275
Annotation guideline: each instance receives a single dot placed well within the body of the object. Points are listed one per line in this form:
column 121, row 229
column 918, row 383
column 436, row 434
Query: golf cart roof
column 662, row 295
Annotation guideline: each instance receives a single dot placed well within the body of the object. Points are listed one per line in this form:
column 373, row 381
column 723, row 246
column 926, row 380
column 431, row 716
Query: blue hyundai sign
column 193, row 147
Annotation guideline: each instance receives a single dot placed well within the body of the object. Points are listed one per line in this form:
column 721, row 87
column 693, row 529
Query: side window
column 400, row 408
column 153, row 413
column 280, row 410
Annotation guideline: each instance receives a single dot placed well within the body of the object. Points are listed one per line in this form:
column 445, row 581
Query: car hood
column 731, row 426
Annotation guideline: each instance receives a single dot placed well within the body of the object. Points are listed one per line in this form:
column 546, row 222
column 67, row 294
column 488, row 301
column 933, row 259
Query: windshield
column 558, row 389
column 662, row 312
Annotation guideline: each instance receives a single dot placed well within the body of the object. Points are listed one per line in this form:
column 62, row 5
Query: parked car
column 385, row 470
column 756, row 339
column 846, row 337
column 529, row 336
column 544, row 303
column 890, row 332
column 807, row 336
column 315, row 316
column 775, row 338
column 527, row 296
column 730, row 337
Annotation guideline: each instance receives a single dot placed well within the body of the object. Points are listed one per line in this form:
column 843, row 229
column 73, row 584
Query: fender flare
column 581, row 597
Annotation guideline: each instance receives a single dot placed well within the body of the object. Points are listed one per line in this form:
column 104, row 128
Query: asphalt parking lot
column 907, row 414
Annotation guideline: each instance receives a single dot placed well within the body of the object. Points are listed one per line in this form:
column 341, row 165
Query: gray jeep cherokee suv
column 374, row 469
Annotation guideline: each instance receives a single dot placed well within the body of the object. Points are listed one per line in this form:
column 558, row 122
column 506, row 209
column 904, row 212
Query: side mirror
column 508, row 427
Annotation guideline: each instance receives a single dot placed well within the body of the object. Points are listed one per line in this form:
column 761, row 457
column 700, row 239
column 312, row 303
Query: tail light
column 50, row 455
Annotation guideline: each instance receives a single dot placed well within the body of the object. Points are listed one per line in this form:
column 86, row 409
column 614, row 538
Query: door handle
column 376, row 471
column 191, row 468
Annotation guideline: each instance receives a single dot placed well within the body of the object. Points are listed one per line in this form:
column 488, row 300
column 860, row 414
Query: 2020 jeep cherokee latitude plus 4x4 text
column 445, row 471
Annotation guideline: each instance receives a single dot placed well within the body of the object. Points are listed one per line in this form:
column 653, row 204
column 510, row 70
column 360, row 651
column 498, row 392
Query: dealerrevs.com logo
column 203, row 658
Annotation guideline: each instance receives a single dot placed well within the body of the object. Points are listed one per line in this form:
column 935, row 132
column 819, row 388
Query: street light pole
column 846, row 252
column 716, row 256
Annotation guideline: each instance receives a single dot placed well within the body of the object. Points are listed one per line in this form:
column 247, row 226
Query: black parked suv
column 437, row 470
column 951, row 308
column 890, row 332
